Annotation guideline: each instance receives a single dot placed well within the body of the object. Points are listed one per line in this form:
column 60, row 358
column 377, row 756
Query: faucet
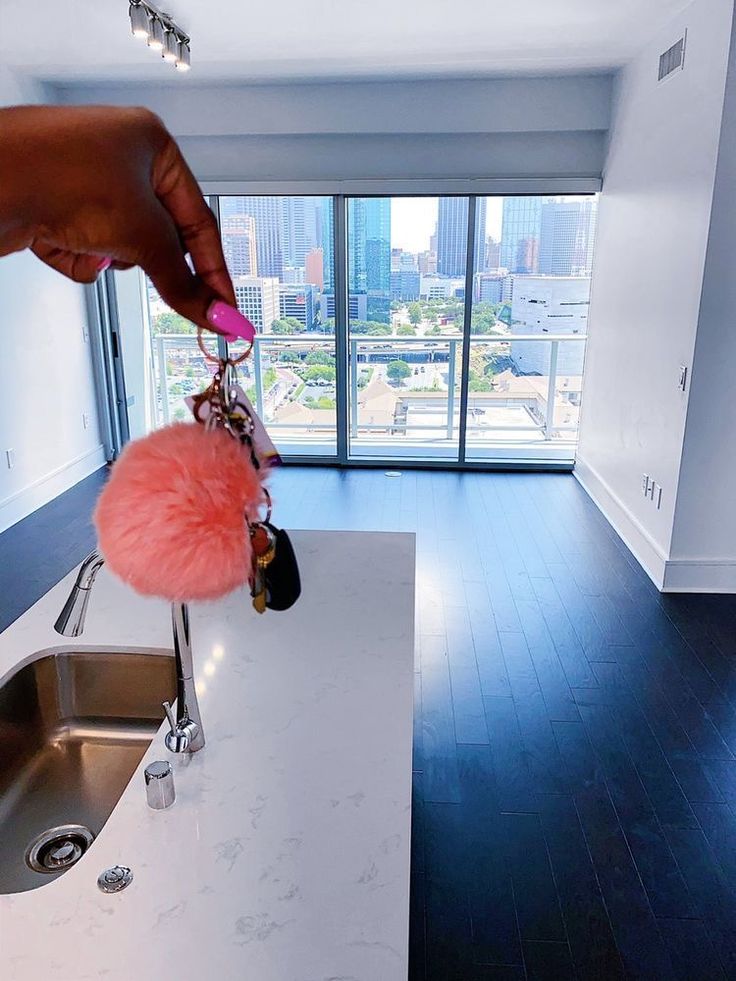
column 186, row 734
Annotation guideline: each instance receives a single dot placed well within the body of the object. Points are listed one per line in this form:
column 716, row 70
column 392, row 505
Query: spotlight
column 156, row 35
column 161, row 33
column 138, row 19
column 183, row 62
column 171, row 45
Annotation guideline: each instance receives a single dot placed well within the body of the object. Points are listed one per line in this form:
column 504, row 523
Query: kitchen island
column 286, row 854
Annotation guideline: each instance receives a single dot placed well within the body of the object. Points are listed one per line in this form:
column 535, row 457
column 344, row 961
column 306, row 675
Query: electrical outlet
column 682, row 380
column 10, row 458
column 659, row 498
column 85, row 420
column 645, row 484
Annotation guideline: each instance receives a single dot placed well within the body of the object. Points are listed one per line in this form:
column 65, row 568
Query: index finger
column 175, row 186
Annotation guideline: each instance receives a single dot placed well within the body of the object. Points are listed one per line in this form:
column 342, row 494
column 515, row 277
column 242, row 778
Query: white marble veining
column 286, row 854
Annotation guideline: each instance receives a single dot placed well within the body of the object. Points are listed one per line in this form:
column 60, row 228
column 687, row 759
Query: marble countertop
column 286, row 854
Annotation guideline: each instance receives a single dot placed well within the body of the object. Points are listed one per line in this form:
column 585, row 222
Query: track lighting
column 160, row 32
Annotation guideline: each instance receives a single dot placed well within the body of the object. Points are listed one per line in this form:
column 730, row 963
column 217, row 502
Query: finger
column 81, row 267
column 165, row 264
column 176, row 188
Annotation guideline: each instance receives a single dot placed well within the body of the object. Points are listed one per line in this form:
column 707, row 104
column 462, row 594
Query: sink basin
column 75, row 723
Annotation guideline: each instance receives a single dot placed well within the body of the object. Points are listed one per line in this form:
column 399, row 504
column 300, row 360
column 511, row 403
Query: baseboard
column 638, row 540
column 682, row 575
column 700, row 576
column 46, row 488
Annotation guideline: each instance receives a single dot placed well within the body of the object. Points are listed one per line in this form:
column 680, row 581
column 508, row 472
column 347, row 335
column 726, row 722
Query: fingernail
column 230, row 322
column 104, row 264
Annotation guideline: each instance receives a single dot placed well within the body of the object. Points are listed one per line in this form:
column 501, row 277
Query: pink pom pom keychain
column 179, row 517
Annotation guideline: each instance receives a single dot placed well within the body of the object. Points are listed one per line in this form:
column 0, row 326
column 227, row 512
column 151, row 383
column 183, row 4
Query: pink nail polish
column 104, row 264
column 230, row 322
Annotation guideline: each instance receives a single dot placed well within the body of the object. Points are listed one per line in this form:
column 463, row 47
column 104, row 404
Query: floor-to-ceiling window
column 531, row 292
column 378, row 339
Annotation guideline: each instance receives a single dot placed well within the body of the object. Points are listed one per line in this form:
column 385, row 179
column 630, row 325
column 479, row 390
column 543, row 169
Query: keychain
column 274, row 578
column 179, row 516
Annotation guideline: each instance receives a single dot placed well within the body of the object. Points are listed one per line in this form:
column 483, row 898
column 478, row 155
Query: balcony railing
column 364, row 349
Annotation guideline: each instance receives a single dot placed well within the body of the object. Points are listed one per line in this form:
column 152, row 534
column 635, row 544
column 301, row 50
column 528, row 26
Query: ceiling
column 59, row 40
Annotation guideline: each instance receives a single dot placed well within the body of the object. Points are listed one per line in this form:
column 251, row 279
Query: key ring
column 216, row 359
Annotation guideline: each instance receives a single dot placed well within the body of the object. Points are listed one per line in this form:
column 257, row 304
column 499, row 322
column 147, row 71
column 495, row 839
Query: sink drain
column 58, row 848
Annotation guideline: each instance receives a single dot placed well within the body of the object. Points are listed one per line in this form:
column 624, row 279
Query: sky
column 413, row 220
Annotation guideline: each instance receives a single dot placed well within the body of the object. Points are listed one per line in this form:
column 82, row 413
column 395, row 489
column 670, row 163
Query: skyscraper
column 378, row 258
column 268, row 215
column 369, row 251
column 452, row 235
column 493, row 254
column 299, row 228
column 258, row 300
column 239, row 246
column 314, row 267
column 520, row 233
column 567, row 229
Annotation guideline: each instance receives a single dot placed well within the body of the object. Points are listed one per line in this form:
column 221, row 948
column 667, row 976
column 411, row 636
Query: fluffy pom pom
column 171, row 521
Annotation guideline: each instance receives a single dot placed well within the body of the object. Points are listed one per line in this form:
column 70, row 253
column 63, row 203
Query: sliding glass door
column 406, row 309
column 439, row 330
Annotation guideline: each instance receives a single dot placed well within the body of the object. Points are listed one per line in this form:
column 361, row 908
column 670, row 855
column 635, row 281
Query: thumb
column 81, row 267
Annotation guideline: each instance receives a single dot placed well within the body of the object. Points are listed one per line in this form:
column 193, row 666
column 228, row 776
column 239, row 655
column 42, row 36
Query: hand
column 79, row 185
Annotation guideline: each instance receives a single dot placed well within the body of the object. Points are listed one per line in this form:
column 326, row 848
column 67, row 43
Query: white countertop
column 286, row 854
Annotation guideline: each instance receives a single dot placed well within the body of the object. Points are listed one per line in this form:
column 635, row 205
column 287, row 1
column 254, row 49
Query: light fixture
column 138, row 19
column 183, row 62
column 161, row 33
column 156, row 36
column 171, row 46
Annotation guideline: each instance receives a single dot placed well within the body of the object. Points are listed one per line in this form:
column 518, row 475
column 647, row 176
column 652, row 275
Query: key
column 263, row 542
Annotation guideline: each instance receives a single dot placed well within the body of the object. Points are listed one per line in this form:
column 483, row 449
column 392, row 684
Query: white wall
column 523, row 127
column 703, row 553
column 45, row 375
column 650, row 257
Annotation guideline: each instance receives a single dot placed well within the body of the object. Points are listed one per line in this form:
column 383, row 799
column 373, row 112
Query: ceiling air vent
column 673, row 58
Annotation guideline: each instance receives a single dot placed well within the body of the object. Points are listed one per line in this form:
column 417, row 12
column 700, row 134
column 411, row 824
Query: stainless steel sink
column 75, row 723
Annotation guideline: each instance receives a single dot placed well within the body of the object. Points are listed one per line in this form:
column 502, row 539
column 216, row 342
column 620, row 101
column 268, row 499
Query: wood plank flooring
column 575, row 731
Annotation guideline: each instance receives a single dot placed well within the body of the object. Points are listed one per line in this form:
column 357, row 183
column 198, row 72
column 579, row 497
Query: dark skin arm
column 81, row 184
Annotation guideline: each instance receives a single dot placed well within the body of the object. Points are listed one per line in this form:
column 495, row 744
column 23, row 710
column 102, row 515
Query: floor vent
column 673, row 58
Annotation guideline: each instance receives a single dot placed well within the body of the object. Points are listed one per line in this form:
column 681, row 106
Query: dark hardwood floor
column 575, row 731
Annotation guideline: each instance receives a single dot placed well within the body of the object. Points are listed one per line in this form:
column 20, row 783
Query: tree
column 289, row 356
column 398, row 370
column 320, row 372
column 483, row 318
column 406, row 330
column 437, row 329
column 281, row 327
column 319, row 357
column 415, row 313
column 375, row 328
column 296, row 325
column 169, row 322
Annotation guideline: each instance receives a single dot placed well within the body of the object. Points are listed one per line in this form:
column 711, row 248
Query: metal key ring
column 216, row 359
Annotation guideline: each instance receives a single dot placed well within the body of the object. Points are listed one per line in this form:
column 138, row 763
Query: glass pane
column 280, row 256
column 179, row 367
column 406, row 288
column 531, row 294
